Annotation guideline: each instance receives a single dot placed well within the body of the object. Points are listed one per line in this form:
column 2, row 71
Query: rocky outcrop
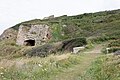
column 9, row 34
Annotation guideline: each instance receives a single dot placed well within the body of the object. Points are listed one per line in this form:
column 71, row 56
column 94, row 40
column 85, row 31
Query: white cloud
column 16, row 11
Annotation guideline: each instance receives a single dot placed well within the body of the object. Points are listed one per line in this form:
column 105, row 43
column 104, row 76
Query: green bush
column 41, row 51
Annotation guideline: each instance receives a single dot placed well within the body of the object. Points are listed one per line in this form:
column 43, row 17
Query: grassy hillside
column 101, row 24
column 71, row 30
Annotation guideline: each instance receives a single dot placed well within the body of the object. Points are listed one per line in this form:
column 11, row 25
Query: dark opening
column 48, row 36
column 29, row 43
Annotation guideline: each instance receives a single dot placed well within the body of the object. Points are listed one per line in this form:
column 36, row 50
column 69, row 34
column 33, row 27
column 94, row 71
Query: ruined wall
column 39, row 33
column 49, row 17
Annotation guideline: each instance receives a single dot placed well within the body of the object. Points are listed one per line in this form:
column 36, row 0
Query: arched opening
column 29, row 42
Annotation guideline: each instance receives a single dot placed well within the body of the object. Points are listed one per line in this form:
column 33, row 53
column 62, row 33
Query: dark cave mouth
column 29, row 42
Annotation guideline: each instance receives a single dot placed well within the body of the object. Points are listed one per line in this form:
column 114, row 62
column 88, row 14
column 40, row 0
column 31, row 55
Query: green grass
column 61, row 67
column 37, row 68
column 47, row 68
column 8, row 48
column 104, row 68
column 103, row 25
column 96, row 27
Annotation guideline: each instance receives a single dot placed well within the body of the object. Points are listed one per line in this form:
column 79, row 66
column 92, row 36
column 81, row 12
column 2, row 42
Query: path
column 76, row 71
column 96, row 49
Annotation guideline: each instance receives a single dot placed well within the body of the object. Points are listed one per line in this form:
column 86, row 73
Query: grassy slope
column 106, row 67
column 76, row 72
column 58, row 67
column 103, row 24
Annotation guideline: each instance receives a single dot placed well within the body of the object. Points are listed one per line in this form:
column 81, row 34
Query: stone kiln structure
column 32, row 35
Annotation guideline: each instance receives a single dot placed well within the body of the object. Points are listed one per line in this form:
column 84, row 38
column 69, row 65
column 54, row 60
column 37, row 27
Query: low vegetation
column 9, row 49
column 37, row 68
column 113, row 46
column 54, row 48
column 104, row 68
column 114, row 43
column 103, row 25
column 67, row 32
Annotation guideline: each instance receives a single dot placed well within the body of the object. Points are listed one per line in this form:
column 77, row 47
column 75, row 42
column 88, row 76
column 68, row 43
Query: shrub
column 52, row 48
column 115, row 43
column 71, row 43
column 41, row 51
column 113, row 46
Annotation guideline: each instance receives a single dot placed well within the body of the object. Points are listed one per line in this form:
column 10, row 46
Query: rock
column 107, row 49
column 9, row 34
column 77, row 49
column 117, row 52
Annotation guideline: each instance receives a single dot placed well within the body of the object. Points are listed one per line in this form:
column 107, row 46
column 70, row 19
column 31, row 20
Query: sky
column 16, row 11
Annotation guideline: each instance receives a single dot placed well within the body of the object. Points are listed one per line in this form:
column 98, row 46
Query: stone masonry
column 32, row 35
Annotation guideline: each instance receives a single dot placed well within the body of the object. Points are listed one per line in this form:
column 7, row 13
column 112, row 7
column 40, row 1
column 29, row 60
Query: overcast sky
column 16, row 11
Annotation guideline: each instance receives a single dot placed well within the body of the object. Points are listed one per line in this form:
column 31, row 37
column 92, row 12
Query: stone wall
column 39, row 33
